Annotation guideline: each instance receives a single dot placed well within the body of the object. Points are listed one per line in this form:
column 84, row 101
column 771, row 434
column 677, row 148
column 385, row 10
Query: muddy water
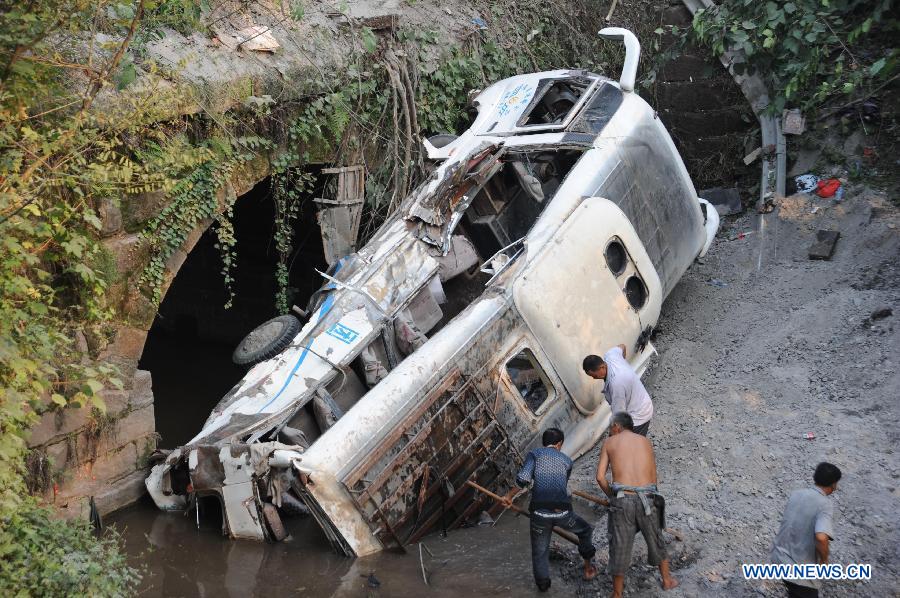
column 178, row 559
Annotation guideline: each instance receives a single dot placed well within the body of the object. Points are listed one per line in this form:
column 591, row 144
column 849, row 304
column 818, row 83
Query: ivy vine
column 193, row 199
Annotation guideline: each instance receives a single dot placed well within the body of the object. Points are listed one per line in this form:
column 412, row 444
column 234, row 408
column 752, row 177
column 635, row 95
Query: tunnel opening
column 189, row 347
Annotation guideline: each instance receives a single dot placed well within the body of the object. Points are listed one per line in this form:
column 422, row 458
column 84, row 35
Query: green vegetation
column 43, row 556
column 812, row 54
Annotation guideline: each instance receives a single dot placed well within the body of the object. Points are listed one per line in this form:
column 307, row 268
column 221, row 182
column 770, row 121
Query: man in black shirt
column 548, row 470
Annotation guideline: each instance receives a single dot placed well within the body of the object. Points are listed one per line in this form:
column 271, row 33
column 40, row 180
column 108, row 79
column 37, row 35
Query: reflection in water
column 178, row 559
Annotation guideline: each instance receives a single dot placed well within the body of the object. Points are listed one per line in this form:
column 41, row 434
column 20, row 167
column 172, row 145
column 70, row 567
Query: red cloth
column 827, row 187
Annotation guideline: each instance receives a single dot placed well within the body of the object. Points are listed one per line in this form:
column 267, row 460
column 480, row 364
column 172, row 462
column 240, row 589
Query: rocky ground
column 760, row 346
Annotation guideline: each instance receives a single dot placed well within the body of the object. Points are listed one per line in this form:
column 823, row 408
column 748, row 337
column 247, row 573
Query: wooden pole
column 558, row 531
column 591, row 497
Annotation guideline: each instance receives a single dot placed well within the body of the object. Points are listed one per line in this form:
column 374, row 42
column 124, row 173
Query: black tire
column 266, row 340
column 442, row 139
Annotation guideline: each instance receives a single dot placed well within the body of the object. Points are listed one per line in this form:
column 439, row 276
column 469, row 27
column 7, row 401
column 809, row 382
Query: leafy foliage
column 809, row 52
column 44, row 556
column 194, row 198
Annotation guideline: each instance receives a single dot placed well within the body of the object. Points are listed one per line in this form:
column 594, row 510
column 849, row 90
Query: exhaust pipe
column 632, row 54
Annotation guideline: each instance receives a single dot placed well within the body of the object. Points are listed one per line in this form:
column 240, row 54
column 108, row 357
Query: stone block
column 823, row 248
column 128, row 344
column 127, row 251
column 136, row 424
column 91, row 444
column 58, row 423
column 248, row 174
column 141, row 390
column 175, row 261
column 58, row 453
column 121, row 493
column 116, row 401
column 145, row 447
column 138, row 209
column 110, row 217
column 90, row 477
column 73, row 508
column 138, row 309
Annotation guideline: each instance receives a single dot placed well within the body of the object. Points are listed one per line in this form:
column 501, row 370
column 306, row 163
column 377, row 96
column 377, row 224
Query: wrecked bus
column 552, row 228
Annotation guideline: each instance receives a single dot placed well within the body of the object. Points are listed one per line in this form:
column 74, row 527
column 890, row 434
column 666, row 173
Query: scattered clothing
column 627, row 516
column 808, row 512
column 541, row 531
column 806, row 183
column 549, row 470
column 624, row 389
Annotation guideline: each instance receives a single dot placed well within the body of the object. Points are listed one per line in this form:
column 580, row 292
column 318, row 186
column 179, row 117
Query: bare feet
column 669, row 582
column 590, row 571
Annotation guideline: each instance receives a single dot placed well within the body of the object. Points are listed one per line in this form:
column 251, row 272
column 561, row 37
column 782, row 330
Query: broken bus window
column 529, row 379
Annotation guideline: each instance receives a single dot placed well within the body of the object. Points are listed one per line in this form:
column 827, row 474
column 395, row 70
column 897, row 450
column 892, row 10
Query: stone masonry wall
column 704, row 111
column 105, row 456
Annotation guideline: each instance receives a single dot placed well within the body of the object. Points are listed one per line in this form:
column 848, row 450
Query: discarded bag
column 827, row 187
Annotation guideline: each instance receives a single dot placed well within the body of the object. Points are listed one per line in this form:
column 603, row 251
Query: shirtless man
column 633, row 501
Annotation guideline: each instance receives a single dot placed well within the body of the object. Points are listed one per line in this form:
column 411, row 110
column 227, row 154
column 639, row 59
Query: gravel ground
column 758, row 346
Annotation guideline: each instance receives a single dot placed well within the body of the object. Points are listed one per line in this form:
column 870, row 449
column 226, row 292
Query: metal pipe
column 632, row 54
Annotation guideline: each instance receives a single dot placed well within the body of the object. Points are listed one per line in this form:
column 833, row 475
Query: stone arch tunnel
column 188, row 348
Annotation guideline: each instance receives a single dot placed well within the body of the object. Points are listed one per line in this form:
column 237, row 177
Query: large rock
column 110, row 217
column 139, row 209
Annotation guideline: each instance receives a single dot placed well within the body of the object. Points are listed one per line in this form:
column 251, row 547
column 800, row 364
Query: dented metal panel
column 573, row 324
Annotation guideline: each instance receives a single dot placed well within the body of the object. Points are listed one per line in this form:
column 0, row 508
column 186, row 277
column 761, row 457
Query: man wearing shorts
column 635, row 505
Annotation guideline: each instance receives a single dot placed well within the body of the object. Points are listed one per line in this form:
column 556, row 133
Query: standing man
column 807, row 529
column 551, row 505
column 634, row 503
column 622, row 386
